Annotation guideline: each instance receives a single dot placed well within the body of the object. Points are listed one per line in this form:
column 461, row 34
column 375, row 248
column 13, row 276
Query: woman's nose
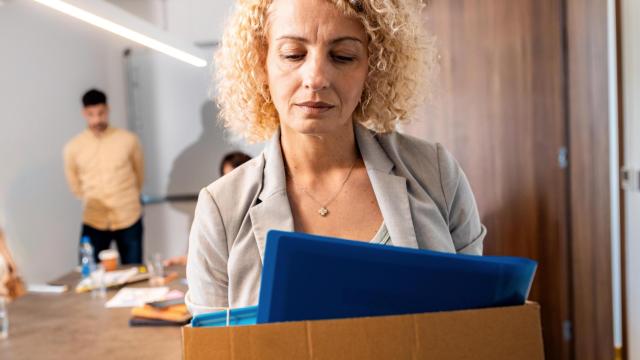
column 316, row 73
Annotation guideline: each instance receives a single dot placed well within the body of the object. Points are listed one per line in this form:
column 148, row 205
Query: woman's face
column 317, row 64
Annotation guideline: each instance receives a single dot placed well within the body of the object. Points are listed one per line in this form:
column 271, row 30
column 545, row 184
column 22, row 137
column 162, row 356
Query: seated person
column 11, row 286
column 229, row 162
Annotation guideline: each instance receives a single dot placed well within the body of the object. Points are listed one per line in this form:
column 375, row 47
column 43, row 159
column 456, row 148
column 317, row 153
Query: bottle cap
column 85, row 240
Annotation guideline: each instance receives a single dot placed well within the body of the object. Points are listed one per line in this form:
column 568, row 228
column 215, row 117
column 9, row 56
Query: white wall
column 614, row 174
column 631, row 91
column 150, row 10
column 199, row 21
column 48, row 60
column 169, row 111
column 177, row 125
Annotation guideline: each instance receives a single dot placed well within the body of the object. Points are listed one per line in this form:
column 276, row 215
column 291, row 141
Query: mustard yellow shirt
column 106, row 172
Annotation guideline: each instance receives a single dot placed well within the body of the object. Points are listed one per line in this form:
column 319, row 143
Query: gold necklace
column 324, row 211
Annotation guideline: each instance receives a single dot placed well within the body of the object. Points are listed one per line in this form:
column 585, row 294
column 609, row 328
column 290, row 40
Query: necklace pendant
column 323, row 211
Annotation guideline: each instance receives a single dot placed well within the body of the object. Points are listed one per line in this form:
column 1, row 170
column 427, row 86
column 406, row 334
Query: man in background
column 104, row 168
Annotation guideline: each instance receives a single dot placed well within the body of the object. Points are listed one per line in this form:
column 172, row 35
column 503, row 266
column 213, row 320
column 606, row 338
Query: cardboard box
column 496, row 333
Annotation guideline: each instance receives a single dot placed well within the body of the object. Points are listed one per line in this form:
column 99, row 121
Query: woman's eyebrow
column 345, row 38
column 332, row 42
column 293, row 37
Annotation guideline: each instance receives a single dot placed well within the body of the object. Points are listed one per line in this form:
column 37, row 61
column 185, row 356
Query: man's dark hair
column 234, row 159
column 94, row 97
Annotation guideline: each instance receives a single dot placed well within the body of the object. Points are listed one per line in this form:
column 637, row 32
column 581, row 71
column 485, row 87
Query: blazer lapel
column 390, row 190
column 273, row 212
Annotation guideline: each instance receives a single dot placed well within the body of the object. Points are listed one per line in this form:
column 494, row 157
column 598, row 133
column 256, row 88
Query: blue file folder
column 231, row 317
column 308, row 277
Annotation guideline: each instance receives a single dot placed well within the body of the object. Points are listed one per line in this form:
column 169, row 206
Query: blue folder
column 307, row 277
column 232, row 317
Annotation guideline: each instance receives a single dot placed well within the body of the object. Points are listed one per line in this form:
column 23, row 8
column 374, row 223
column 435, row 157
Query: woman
column 11, row 285
column 326, row 81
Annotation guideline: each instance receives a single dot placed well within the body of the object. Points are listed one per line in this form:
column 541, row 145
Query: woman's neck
column 309, row 156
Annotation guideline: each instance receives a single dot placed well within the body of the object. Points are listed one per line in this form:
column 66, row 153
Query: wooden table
column 76, row 326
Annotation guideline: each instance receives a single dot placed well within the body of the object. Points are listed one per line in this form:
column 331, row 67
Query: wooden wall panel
column 590, row 196
column 500, row 108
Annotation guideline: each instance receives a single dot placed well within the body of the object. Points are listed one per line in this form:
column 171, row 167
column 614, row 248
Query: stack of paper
column 168, row 311
column 147, row 315
column 132, row 297
column 115, row 278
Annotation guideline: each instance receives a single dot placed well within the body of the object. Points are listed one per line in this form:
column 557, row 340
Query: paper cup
column 109, row 259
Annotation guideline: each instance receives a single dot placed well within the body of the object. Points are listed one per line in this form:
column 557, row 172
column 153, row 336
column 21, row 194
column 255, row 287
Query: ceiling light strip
column 123, row 31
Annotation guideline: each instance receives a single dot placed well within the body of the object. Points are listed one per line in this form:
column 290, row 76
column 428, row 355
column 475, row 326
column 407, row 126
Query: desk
column 76, row 326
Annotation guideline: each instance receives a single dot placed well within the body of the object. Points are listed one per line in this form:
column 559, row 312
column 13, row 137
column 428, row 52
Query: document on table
column 47, row 288
column 111, row 279
column 134, row 297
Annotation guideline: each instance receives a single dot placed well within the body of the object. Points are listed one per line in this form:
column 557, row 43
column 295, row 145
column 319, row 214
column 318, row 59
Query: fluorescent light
column 125, row 32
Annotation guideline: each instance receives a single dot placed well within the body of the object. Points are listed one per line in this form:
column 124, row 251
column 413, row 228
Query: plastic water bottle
column 86, row 257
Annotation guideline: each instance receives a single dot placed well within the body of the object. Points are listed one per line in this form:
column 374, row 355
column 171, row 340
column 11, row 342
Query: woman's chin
column 317, row 126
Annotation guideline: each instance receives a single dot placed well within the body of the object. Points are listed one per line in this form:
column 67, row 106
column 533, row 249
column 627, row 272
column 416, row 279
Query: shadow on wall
column 197, row 165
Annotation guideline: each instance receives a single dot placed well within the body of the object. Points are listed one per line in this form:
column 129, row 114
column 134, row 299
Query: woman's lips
column 314, row 108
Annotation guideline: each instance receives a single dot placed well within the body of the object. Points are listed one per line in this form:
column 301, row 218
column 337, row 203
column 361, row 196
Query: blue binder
column 307, row 277
column 234, row 317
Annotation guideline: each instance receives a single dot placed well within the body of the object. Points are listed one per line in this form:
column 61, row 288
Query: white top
column 382, row 237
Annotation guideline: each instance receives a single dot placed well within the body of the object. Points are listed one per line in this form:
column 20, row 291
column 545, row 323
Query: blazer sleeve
column 207, row 258
column 465, row 227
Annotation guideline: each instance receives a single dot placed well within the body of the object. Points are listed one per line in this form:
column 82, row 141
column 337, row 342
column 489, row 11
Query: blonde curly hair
column 401, row 60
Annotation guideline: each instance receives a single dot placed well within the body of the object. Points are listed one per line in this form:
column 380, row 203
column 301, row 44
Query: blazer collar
column 274, row 211
column 390, row 189
column 273, row 180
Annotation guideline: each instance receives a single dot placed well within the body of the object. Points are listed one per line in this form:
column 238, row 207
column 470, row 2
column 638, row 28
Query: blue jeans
column 129, row 241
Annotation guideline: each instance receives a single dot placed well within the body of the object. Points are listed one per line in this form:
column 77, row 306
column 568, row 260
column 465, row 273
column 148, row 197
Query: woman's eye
column 343, row 58
column 293, row 57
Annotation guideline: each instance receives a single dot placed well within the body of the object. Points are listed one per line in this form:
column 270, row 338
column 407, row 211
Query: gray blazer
column 423, row 195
